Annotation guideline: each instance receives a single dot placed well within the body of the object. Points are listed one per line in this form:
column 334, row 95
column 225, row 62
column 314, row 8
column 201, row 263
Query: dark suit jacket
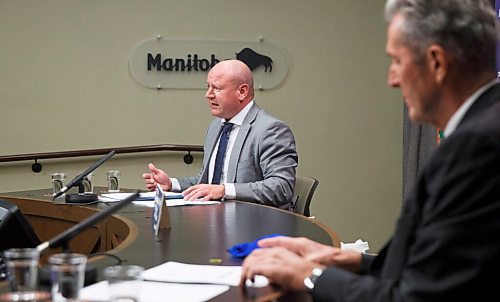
column 263, row 161
column 446, row 246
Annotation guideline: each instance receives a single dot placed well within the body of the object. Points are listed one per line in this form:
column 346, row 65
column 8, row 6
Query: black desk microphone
column 78, row 180
column 64, row 238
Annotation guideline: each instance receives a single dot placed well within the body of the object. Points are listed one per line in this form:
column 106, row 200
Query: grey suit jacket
column 263, row 161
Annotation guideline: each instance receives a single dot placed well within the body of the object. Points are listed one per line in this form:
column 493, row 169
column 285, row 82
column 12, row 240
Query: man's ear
column 242, row 92
column 438, row 62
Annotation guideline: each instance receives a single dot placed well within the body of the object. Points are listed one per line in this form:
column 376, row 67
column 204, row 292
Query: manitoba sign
column 161, row 63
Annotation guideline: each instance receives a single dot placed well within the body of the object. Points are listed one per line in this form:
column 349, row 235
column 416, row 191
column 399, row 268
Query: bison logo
column 254, row 59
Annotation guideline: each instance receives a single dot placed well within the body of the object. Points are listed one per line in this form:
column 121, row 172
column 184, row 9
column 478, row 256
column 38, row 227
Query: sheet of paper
column 158, row 292
column 194, row 273
column 112, row 197
column 147, row 199
column 175, row 202
column 182, row 202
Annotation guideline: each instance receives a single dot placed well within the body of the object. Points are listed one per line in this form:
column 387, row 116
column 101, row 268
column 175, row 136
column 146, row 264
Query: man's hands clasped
column 287, row 261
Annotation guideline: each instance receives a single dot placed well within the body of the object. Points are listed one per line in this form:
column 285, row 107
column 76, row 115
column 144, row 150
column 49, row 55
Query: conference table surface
column 201, row 235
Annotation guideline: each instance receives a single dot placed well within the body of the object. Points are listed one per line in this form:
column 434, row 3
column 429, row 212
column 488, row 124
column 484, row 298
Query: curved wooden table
column 197, row 235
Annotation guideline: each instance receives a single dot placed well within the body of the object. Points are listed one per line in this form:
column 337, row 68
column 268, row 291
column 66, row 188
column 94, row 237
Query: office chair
column 304, row 191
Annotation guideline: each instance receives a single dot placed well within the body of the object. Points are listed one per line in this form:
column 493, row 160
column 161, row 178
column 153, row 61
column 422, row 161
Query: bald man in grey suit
column 261, row 157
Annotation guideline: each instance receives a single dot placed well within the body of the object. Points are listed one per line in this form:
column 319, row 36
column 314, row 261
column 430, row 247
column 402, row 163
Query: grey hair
column 464, row 28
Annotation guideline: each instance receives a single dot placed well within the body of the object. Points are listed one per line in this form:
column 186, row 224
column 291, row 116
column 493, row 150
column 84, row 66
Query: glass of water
column 22, row 267
column 113, row 178
column 57, row 182
column 124, row 282
column 67, row 275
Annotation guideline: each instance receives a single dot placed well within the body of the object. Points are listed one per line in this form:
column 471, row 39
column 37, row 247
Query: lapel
column 245, row 128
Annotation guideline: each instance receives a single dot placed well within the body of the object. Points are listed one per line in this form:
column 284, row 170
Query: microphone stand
column 64, row 238
column 82, row 197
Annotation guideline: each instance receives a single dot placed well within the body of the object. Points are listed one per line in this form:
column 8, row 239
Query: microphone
column 79, row 178
column 66, row 236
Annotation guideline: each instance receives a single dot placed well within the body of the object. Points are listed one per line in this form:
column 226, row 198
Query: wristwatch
column 310, row 281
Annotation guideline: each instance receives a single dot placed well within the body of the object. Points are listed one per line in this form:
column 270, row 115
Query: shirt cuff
column 176, row 186
column 230, row 191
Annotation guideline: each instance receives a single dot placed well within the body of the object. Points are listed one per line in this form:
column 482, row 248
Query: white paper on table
column 182, row 202
column 158, row 292
column 172, row 199
column 176, row 202
column 193, row 273
column 147, row 196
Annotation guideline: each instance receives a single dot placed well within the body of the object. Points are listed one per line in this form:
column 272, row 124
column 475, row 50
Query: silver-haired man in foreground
column 445, row 246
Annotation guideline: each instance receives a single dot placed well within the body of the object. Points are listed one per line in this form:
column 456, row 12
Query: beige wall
column 64, row 85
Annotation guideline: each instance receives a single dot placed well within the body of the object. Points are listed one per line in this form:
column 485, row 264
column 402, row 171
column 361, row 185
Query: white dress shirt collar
column 457, row 117
column 240, row 117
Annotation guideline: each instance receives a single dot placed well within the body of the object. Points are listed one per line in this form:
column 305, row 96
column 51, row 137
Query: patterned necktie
column 221, row 152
